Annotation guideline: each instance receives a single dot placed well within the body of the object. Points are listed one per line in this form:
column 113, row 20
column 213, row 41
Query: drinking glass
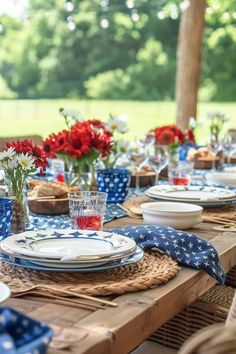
column 137, row 157
column 180, row 175
column 227, row 147
column 58, row 168
column 158, row 158
column 87, row 209
column 214, row 146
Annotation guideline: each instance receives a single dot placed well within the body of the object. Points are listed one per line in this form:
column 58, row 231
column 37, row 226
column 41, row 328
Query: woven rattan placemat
column 154, row 269
column 134, row 203
column 227, row 212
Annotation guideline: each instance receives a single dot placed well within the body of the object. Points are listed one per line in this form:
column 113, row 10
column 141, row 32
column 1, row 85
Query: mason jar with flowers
column 113, row 179
column 20, row 160
column 80, row 146
column 173, row 138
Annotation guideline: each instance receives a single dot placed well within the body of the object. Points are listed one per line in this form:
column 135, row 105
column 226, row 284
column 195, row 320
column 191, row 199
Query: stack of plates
column 200, row 195
column 70, row 250
column 225, row 178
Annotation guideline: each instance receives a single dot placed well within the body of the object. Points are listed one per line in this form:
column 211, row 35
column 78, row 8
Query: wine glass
column 158, row 158
column 214, row 146
column 227, row 147
column 137, row 157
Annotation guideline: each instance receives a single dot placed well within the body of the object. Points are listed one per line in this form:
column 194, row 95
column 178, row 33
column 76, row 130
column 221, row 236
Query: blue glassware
column 20, row 334
column 115, row 182
column 5, row 217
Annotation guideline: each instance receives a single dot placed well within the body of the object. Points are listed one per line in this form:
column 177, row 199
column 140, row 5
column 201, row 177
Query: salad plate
column 69, row 245
column 23, row 263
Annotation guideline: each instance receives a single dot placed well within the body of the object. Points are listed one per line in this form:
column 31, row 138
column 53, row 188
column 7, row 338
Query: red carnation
column 166, row 137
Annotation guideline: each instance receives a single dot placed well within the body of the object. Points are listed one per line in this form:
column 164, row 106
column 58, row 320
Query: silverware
column 66, row 292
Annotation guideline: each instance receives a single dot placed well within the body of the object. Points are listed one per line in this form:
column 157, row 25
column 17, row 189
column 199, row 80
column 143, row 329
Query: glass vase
column 20, row 212
column 174, row 155
column 84, row 178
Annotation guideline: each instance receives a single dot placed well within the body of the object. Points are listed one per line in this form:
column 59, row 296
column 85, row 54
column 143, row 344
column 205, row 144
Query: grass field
column 22, row 117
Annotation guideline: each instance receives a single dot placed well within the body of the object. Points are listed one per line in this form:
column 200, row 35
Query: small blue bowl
column 115, row 182
column 5, row 217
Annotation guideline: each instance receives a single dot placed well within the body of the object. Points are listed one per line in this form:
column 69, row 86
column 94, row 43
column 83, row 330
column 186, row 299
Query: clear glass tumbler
column 87, row 209
column 180, row 174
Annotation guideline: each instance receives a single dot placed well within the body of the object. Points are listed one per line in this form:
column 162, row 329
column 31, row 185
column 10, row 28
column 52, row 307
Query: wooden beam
column 189, row 61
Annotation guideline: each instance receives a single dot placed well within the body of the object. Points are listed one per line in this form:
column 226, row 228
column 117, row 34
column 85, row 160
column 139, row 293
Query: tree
column 189, row 61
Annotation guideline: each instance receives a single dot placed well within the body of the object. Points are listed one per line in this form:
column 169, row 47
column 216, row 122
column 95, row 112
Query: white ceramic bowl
column 177, row 215
column 226, row 178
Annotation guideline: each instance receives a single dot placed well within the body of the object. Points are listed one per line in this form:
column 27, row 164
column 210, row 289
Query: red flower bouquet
column 80, row 144
column 172, row 136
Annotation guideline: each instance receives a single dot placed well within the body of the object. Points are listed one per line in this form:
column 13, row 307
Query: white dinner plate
column 191, row 193
column 5, row 292
column 58, row 263
column 22, row 263
column 68, row 245
column 225, row 178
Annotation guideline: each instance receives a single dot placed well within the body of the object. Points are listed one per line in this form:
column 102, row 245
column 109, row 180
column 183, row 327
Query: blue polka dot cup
column 115, row 182
column 5, row 217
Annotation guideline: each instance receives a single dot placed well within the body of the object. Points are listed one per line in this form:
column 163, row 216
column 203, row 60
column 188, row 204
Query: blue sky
column 13, row 7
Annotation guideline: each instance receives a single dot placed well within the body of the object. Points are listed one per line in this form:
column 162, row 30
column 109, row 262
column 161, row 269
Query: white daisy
column 122, row 147
column 26, row 161
column 118, row 124
column 10, row 152
column 12, row 163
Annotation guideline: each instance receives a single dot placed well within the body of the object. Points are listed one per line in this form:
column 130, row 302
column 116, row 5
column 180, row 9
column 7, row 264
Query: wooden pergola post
column 189, row 61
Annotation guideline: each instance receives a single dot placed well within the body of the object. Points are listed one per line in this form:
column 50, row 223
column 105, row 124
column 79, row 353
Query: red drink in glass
column 180, row 181
column 89, row 222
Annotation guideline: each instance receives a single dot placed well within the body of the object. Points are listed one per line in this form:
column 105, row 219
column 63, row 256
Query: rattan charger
column 154, row 269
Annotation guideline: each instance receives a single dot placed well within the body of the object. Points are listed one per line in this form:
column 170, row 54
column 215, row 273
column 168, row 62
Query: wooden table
column 119, row 330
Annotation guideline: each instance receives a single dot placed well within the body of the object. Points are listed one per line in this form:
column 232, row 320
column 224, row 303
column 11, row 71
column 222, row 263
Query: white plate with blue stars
column 69, row 245
column 5, row 292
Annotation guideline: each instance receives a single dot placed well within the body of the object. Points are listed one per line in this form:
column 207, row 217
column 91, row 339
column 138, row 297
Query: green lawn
column 21, row 117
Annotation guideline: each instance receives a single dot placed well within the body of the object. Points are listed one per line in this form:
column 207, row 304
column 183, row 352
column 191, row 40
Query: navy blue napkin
column 20, row 334
column 185, row 247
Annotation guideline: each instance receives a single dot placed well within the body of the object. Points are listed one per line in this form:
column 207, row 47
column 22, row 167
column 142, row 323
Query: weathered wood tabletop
column 120, row 329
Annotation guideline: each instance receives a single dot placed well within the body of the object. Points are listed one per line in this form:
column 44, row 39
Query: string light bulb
column 161, row 15
column 70, row 23
column 184, row 5
column 69, row 6
column 104, row 5
column 216, row 5
column 130, row 4
column 134, row 15
column 104, row 22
